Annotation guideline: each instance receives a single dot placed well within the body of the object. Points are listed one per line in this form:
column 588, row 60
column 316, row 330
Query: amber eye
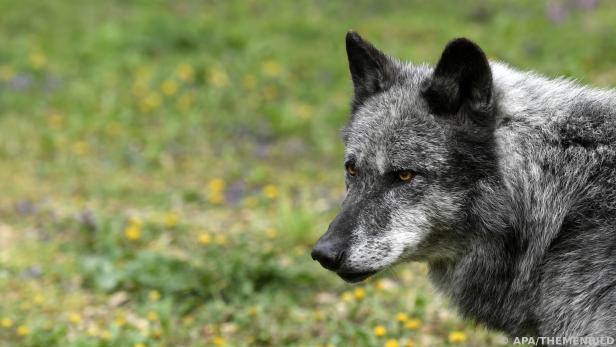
column 350, row 169
column 405, row 175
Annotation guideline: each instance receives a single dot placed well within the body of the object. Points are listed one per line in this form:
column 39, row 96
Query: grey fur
column 516, row 217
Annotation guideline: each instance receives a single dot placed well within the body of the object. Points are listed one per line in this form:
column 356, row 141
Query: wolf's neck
column 491, row 279
column 512, row 221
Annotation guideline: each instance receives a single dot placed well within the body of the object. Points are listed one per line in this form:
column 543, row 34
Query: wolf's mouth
column 354, row 277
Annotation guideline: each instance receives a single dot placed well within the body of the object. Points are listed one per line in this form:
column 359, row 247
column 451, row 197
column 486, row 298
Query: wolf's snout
column 328, row 254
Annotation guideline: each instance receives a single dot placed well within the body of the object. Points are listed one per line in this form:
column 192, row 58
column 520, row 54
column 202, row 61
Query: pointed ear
column 462, row 79
column 371, row 70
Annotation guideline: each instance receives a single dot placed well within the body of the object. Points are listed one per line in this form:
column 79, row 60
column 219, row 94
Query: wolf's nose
column 327, row 255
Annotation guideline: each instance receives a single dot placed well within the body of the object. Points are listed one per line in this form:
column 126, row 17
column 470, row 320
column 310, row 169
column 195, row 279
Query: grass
column 167, row 165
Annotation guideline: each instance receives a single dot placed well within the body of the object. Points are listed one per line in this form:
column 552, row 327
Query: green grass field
column 167, row 165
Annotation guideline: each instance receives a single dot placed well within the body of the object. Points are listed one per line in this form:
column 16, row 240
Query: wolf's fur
column 513, row 200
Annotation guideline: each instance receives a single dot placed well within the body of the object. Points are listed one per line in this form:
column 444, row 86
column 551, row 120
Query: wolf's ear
column 462, row 78
column 371, row 70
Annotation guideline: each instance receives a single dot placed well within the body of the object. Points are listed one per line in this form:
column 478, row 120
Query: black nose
column 327, row 254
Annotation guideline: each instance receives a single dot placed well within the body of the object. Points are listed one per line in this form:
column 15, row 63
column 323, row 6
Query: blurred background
column 167, row 165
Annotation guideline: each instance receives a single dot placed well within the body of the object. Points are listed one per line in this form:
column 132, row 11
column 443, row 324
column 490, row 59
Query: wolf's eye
column 350, row 169
column 405, row 175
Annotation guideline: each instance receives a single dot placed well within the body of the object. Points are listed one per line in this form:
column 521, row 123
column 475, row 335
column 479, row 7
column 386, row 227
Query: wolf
column 502, row 181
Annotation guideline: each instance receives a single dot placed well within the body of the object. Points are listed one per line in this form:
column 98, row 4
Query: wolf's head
column 418, row 143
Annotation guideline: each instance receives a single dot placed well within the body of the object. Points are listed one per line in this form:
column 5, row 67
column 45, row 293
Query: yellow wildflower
column 105, row 335
column 152, row 316
column 360, row 293
column 271, row 232
column 169, row 87
column 37, row 59
column 215, row 198
column 39, row 299
column 150, row 103
column 154, row 295
column 346, row 297
column 188, row 320
column 134, row 220
column 22, row 330
column 55, row 120
column 271, row 68
column 120, row 320
column 412, row 324
column 249, row 82
column 380, row 285
column 303, row 111
column 185, row 72
column 132, row 232
column 221, row 239
column 402, row 317
column 6, row 322
column 140, row 344
column 270, row 191
column 204, row 239
column 216, row 185
column 93, row 331
column 391, row 343
column 171, row 219
column 218, row 78
column 80, row 148
column 379, row 330
column 74, row 317
column 318, row 315
column 218, row 341
column 457, row 337
column 113, row 129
